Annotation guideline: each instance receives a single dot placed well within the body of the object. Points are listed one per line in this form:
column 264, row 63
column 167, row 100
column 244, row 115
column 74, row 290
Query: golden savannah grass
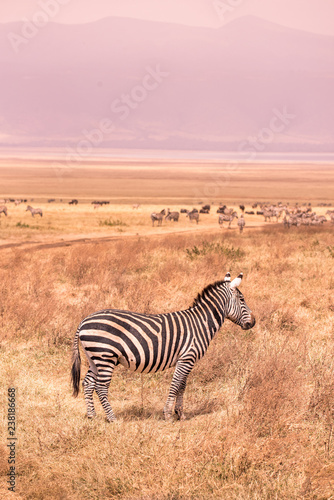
column 259, row 405
column 166, row 182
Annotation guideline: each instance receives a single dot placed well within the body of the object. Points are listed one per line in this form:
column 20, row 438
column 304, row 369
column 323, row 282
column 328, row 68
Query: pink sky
column 310, row 15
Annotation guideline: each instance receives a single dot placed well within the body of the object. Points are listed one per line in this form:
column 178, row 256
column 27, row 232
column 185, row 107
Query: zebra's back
column 140, row 342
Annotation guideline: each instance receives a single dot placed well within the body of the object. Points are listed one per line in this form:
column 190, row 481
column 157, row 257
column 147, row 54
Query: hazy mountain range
column 154, row 85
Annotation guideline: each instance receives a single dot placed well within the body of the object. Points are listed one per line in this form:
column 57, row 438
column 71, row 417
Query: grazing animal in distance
column 34, row 211
column 147, row 343
column 3, row 210
column 241, row 223
column 267, row 214
column 227, row 218
column 193, row 215
column 135, row 206
column 250, row 212
column 73, row 202
column 158, row 216
column 174, row 216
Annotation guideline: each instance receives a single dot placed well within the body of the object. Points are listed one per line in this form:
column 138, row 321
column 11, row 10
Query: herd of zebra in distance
column 288, row 215
column 291, row 216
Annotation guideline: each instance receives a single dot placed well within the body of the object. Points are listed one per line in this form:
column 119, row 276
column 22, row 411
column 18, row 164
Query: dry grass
column 259, row 404
column 167, row 181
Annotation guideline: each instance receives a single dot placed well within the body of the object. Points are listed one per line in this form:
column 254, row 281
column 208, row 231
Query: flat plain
column 259, row 405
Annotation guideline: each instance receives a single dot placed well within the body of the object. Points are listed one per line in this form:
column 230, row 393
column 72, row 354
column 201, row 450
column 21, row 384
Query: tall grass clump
column 112, row 223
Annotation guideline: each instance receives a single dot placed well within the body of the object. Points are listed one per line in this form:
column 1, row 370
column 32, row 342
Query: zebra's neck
column 210, row 307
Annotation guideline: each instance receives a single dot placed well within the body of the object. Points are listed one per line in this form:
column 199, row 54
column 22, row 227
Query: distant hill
column 223, row 86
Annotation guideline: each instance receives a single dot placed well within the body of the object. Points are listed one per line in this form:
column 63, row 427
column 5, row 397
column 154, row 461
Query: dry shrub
column 321, row 404
column 227, row 357
column 273, row 394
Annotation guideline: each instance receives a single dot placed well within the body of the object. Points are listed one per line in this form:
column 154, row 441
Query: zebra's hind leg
column 88, row 388
column 177, row 388
column 102, row 385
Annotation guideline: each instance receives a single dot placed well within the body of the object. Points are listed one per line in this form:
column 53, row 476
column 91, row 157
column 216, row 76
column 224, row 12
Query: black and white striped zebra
column 193, row 215
column 158, row 216
column 241, row 223
column 227, row 218
column 172, row 216
column 34, row 211
column 3, row 210
column 150, row 343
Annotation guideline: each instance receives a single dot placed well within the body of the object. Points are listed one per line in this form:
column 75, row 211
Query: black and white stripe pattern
column 227, row 218
column 157, row 216
column 34, row 211
column 3, row 210
column 151, row 343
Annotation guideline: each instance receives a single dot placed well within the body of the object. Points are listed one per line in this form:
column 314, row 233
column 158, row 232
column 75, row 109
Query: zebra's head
column 236, row 308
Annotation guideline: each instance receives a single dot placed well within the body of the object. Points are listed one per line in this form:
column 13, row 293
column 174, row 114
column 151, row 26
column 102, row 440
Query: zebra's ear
column 236, row 282
column 227, row 277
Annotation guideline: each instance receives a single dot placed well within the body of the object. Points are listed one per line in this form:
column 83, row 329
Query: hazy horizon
column 150, row 82
column 313, row 16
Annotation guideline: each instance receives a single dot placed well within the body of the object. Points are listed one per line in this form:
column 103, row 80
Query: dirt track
column 70, row 241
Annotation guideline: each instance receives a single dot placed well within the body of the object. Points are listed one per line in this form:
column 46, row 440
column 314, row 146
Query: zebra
column 267, row 213
column 174, row 216
column 158, row 216
column 227, row 218
column 241, row 223
column 34, row 211
column 3, row 210
column 193, row 215
column 150, row 343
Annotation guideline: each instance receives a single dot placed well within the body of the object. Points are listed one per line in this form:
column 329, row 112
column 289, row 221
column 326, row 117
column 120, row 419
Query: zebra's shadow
column 136, row 412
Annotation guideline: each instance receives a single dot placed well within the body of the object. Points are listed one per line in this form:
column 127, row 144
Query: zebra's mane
column 207, row 289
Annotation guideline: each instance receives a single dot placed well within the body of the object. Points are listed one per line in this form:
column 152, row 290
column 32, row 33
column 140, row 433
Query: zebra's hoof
column 180, row 415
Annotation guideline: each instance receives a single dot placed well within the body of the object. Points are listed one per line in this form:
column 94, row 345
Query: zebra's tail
column 76, row 365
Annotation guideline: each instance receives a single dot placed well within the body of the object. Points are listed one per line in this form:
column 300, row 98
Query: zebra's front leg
column 179, row 402
column 177, row 388
column 88, row 388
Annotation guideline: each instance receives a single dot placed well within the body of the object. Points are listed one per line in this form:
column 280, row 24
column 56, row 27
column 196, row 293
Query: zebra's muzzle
column 249, row 324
